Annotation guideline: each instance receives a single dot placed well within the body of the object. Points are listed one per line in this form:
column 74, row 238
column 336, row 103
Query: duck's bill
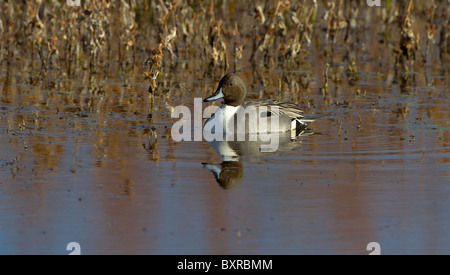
column 217, row 95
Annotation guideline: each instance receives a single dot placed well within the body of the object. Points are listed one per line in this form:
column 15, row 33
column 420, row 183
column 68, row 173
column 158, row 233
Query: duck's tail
column 305, row 122
column 310, row 118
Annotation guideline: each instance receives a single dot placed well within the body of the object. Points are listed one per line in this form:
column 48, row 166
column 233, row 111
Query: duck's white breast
column 222, row 117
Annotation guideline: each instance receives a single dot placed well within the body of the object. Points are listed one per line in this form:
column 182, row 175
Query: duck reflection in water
column 231, row 171
column 228, row 174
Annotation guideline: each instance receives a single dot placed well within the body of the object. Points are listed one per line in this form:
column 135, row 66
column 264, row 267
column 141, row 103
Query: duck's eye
column 231, row 84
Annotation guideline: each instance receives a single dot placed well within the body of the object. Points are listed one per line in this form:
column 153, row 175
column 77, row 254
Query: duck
column 232, row 90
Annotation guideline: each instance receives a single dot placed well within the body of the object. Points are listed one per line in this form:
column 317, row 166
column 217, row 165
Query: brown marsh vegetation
column 50, row 39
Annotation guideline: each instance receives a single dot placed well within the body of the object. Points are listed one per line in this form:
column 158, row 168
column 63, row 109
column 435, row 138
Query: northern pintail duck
column 232, row 90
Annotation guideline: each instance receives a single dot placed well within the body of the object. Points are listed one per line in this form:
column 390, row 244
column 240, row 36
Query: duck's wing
column 289, row 109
